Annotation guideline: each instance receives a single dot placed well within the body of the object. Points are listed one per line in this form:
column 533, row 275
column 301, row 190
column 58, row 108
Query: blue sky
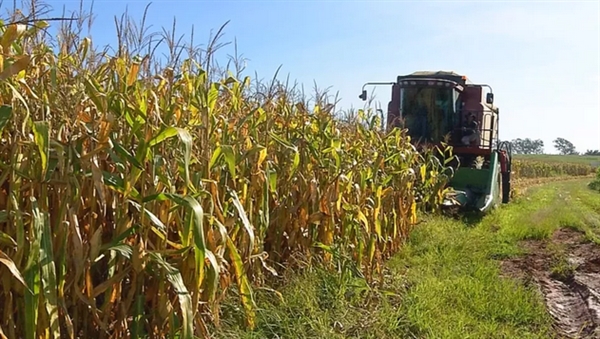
column 541, row 58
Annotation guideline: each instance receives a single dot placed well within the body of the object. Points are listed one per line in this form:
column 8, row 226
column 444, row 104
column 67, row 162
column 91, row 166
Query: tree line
column 536, row 146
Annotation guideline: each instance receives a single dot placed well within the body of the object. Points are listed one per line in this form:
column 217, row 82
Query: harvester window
column 428, row 112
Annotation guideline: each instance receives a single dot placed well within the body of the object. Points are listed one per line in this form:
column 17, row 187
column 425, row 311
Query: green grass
column 594, row 160
column 444, row 283
column 595, row 184
column 316, row 304
column 561, row 268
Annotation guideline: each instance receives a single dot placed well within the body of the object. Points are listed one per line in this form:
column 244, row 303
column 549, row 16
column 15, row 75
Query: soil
column 571, row 293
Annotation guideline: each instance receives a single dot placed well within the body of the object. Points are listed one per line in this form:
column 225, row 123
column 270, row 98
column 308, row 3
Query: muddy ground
column 566, row 271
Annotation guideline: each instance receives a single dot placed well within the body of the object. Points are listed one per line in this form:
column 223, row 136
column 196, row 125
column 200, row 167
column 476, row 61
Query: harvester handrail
column 377, row 83
column 486, row 143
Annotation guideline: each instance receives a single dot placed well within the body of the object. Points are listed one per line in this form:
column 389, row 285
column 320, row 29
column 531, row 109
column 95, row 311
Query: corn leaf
column 6, row 261
column 48, row 271
column 212, row 96
column 185, row 300
column 133, row 73
column 32, row 274
column 153, row 218
column 229, row 156
column 213, row 276
column 244, row 218
column 41, row 138
column 167, row 133
column 126, row 154
column 9, row 36
column 214, row 158
column 186, row 139
column 243, row 284
column 5, row 115
column 17, row 66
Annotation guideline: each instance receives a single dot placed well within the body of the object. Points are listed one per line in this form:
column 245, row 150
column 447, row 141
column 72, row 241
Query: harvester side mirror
column 363, row 95
column 490, row 98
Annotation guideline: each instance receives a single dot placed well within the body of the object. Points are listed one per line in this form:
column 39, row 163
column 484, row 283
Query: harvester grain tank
column 446, row 107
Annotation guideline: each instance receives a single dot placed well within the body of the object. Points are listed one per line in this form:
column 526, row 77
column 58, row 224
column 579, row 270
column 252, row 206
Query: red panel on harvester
column 473, row 103
column 394, row 107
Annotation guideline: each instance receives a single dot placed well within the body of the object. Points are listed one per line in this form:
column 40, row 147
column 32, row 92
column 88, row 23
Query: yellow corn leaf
column 243, row 284
column 7, row 261
column 413, row 211
column 19, row 65
column 262, row 155
column 177, row 113
column 362, row 218
column 133, row 73
column 41, row 137
column 371, row 249
column 378, row 228
column 104, row 131
column 11, row 33
column 248, row 143
column 27, row 89
column 85, row 46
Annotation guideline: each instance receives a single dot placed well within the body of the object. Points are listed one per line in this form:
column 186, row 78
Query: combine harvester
column 437, row 107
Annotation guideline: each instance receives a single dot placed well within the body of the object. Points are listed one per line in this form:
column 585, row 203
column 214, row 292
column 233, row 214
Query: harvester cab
column 445, row 107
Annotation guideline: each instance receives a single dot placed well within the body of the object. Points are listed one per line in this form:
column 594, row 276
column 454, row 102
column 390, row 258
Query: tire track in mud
column 573, row 304
column 572, row 296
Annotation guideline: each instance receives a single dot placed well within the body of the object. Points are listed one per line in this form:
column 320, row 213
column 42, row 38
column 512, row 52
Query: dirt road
column 566, row 270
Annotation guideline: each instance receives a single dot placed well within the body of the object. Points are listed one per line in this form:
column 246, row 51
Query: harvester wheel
column 505, row 187
column 505, row 169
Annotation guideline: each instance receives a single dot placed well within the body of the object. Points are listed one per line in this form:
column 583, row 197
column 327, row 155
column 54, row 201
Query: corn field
column 539, row 169
column 134, row 196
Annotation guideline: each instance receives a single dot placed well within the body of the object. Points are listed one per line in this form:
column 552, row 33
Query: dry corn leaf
column 17, row 66
column 7, row 261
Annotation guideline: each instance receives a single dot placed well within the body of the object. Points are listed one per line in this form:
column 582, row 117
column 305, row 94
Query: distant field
column 593, row 160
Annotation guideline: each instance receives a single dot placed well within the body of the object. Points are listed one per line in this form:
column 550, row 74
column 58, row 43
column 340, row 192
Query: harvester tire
column 505, row 187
